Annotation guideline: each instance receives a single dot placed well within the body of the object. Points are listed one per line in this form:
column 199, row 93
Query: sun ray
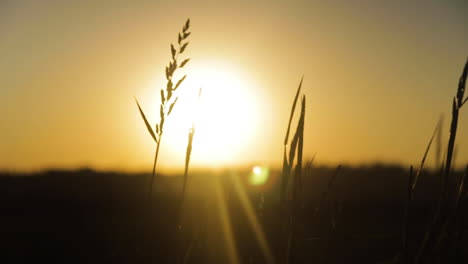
column 253, row 221
column 226, row 223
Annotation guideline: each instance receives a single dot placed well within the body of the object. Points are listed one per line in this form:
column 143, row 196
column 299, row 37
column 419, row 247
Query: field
column 289, row 211
column 95, row 217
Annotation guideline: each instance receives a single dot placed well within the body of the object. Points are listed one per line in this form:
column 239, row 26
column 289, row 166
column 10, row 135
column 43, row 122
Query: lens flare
column 258, row 176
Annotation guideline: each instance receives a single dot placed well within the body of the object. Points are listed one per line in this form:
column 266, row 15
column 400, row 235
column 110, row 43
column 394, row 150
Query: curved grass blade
column 292, row 111
column 421, row 166
column 457, row 103
column 461, row 86
column 287, row 164
column 150, row 130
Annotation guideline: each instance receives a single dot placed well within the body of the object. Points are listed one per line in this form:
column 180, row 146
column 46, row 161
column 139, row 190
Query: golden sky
column 378, row 74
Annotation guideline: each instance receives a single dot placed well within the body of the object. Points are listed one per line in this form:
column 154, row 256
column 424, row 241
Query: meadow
column 297, row 213
column 89, row 216
column 105, row 217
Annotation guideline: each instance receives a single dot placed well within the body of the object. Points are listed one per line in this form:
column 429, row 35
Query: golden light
column 225, row 116
column 259, row 175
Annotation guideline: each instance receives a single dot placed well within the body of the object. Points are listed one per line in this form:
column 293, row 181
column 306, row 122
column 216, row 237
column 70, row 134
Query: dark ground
column 94, row 217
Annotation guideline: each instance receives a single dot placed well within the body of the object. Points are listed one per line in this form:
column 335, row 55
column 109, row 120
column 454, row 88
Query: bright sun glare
column 258, row 176
column 225, row 117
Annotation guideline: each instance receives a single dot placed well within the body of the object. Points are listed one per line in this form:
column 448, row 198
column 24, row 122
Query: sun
column 225, row 117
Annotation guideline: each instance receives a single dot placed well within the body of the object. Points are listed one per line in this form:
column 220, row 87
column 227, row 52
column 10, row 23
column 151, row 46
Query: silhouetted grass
column 188, row 153
column 167, row 100
column 287, row 163
column 413, row 178
column 432, row 243
column 86, row 216
column 289, row 206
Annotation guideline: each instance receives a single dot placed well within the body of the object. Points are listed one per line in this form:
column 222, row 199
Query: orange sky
column 378, row 74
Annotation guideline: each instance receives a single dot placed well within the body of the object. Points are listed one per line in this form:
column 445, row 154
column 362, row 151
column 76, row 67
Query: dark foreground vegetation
column 84, row 216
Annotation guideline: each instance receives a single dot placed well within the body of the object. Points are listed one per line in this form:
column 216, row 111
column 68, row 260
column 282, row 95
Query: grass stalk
column 188, row 153
column 423, row 160
column 296, row 145
column 185, row 250
column 457, row 103
column 168, row 101
column 437, row 227
column 153, row 173
column 287, row 164
column 296, row 190
column 187, row 161
column 438, row 157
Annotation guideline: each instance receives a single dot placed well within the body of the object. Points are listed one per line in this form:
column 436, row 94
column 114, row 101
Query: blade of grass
column 292, row 111
column 166, row 96
column 436, row 229
column 188, row 153
column 412, row 182
column 423, row 160
column 298, row 146
column 457, row 104
column 287, row 165
column 439, row 158
column 148, row 126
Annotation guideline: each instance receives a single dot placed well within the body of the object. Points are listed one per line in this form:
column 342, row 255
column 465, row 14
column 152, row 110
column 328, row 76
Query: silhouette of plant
column 168, row 100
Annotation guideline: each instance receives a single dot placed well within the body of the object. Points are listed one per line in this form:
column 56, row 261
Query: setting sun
column 225, row 116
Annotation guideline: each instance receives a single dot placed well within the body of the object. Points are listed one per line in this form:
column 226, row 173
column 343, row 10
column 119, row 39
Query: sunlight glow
column 253, row 220
column 225, row 116
column 258, row 176
column 224, row 218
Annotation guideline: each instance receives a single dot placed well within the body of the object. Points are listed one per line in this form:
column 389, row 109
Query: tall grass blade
column 287, row 165
column 435, row 233
column 421, row 166
column 148, row 126
column 300, row 146
column 457, row 104
column 296, row 190
column 188, row 153
column 461, row 86
column 292, row 111
column 438, row 156
column 412, row 183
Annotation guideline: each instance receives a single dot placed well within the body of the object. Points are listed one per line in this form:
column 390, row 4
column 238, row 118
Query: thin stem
column 451, row 145
column 187, row 162
column 154, row 167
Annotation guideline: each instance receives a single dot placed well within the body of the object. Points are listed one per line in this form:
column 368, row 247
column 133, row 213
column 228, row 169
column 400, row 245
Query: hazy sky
column 378, row 74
